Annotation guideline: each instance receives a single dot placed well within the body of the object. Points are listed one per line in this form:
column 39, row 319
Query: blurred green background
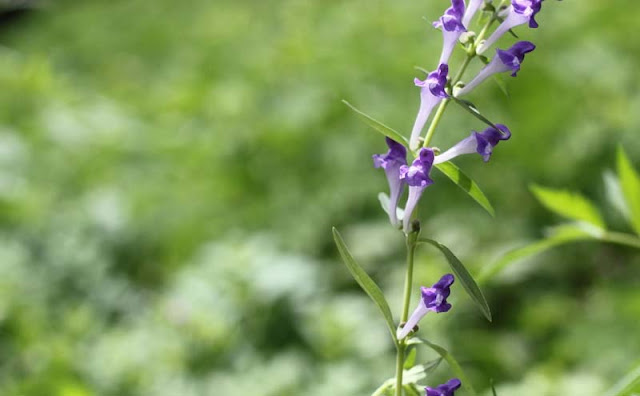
column 170, row 172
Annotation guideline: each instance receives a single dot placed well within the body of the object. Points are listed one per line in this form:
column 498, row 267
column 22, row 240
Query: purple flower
column 474, row 5
column 504, row 61
column 417, row 177
column 431, row 93
column 434, row 299
column 478, row 142
column 452, row 27
column 391, row 162
column 519, row 13
column 447, row 389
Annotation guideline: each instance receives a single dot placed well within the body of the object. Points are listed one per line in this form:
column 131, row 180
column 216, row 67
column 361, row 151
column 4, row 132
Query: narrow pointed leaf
column 366, row 283
column 378, row 126
column 499, row 79
column 532, row 249
column 411, row 390
column 628, row 384
column 614, row 194
column 419, row 372
column 568, row 204
column 453, row 363
column 465, row 278
column 471, row 108
column 630, row 183
column 466, row 184
column 410, row 360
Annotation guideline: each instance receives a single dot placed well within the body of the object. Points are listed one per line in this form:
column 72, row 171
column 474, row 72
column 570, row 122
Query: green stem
column 406, row 301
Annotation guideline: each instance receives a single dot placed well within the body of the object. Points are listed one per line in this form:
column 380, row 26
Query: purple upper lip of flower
column 489, row 138
column 514, row 56
column 529, row 8
column 435, row 297
column 397, row 155
column 417, row 175
column 447, row 389
column 435, row 81
column 451, row 21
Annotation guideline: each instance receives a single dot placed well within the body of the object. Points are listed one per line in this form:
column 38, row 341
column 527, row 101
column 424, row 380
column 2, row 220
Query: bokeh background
column 170, row 172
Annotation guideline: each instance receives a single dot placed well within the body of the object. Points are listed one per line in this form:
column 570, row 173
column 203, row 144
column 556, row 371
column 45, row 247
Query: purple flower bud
column 434, row 299
column 474, row 5
column 519, row 13
column 431, row 93
column 391, row 162
column 447, row 389
column 504, row 61
column 451, row 25
column 417, row 177
column 478, row 142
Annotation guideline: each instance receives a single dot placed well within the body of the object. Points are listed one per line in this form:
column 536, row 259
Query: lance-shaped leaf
column 630, row 183
column 558, row 235
column 463, row 275
column 366, row 283
column 568, row 204
column 453, row 363
column 471, row 108
column 628, row 384
column 378, row 126
column 466, row 184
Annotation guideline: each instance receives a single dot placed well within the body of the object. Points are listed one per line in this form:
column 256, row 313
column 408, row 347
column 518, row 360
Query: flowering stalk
column 436, row 90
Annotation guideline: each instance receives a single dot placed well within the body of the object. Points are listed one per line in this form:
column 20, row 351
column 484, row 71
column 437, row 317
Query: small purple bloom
column 504, row 61
column 519, row 13
column 447, row 389
column 478, row 142
column 473, row 7
column 391, row 162
column 528, row 8
column 431, row 93
column 434, row 299
column 417, row 177
column 452, row 27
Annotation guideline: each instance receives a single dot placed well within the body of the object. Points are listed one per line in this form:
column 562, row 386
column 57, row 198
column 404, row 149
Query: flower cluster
column 435, row 88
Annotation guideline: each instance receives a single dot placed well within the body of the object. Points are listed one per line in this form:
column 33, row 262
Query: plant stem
column 406, row 301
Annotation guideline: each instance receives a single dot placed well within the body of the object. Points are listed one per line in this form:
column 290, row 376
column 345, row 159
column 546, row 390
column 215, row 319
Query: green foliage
column 366, row 283
column 378, row 126
column 466, row 184
column 453, row 363
column 628, row 384
column 630, row 183
column 570, row 205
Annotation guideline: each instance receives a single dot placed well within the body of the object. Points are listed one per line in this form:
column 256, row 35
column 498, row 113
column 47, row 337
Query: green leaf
column 455, row 366
column 466, row 184
column 614, row 194
column 471, row 108
column 561, row 235
column 419, row 372
column 366, row 283
column 411, row 390
column 378, row 126
column 465, row 278
column 630, row 182
column 410, row 359
column 628, row 384
column 570, row 205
